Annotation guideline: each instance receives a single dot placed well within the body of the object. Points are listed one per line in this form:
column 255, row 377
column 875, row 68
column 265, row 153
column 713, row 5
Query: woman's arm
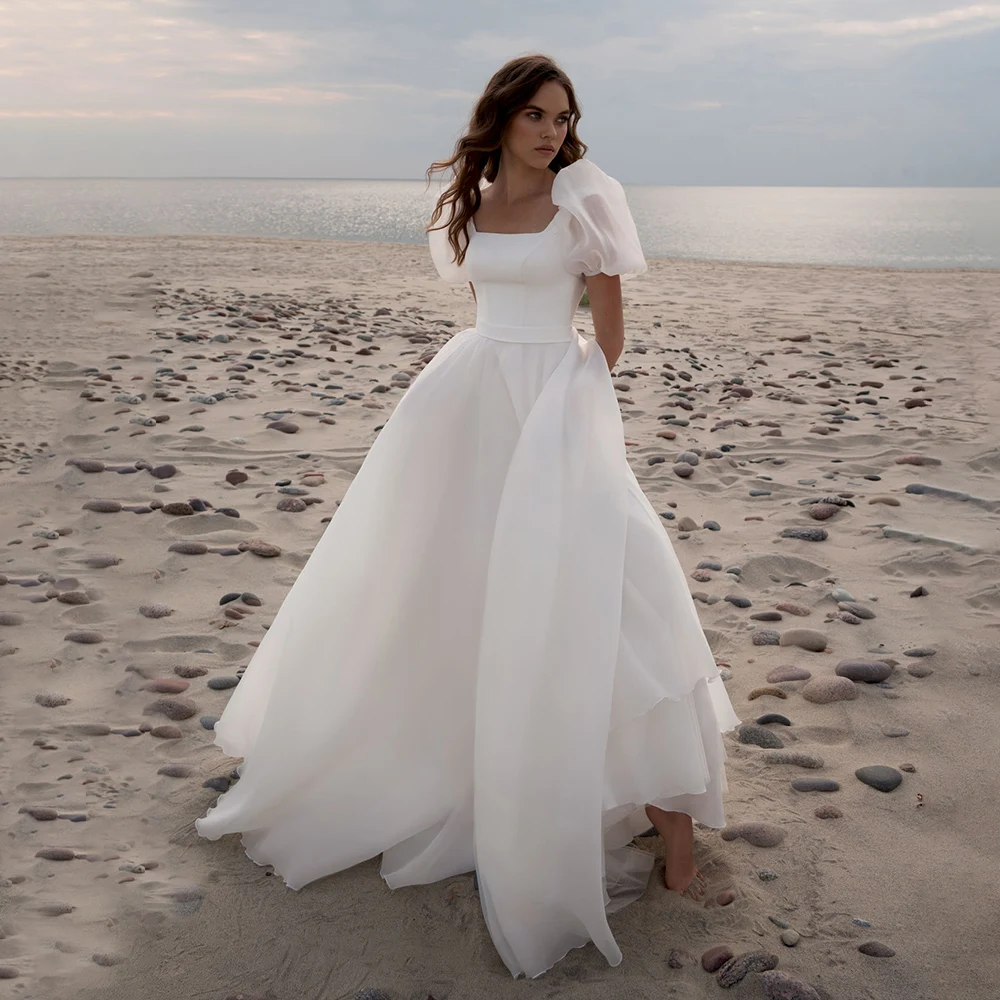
column 474, row 299
column 605, row 292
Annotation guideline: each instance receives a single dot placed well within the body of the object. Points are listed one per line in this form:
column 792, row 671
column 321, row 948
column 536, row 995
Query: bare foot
column 681, row 874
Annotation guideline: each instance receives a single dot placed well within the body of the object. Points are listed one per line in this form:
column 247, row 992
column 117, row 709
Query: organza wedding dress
column 491, row 661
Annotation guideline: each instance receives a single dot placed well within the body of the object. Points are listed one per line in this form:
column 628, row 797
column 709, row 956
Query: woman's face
column 543, row 122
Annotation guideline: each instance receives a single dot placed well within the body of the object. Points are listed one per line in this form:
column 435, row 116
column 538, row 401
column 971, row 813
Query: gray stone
column 781, row 986
column 879, row 776
column 865, row 671
column 805, row 638
column 739, row 967
column 751, row 733
column 815, row 785
column 826, row 690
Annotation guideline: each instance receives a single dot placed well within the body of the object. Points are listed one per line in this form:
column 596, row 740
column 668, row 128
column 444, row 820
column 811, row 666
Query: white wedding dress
column 491, row 661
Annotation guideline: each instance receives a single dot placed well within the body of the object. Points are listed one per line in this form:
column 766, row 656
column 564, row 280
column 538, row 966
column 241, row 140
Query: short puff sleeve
column 443, row 256
column 603, row 238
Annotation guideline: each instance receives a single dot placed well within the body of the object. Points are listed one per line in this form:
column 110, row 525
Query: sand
column 761, row 370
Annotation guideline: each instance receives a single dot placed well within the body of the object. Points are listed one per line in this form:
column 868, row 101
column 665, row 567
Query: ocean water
column 865, row 227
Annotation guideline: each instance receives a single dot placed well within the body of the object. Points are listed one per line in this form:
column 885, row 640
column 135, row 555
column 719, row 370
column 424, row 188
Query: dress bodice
column 528, row 285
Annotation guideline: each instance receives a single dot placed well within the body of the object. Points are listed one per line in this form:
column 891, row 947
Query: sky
column 775, row 92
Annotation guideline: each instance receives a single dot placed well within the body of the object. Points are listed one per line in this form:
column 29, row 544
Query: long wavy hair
column 477, row 152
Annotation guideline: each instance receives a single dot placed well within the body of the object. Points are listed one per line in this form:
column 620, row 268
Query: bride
column 491, row 661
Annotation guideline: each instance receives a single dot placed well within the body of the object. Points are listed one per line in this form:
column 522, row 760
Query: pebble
column 774, row 692
column 919, row 670
column 188, row 548
column 263, row 549
column 866, row 671
column 175, row 770
column 8, row 972
column 178, row 508
column 894, row 732
column 56, row 853
column 780, row 674
column 11, row 618
column 919, row 651
column 790, row 937
column 222, row 683
column 716, row 957
column 752, row 733
column 782, row 720
column 677, row 958
column 826, row 690
column 879, row 776
column 755, row 833
column 766, row 637
column 155, row 610
column 766, row 616
column 292, row 505
column 778, row 922
column 797, row 758
column 806, row 534
column 854, row 608
column 781, row 986
column 876, row 949
column 816, row 785
column 805, row 638
column 52, row 700
column 85, row 637
column 166, row 732
column 766, row 875
column 823, row 511
column 234, row 477
column 793, row 609
column 175, row 709
column 827, row 812
column 739, row 967
column 103, row 506
column 166, row 685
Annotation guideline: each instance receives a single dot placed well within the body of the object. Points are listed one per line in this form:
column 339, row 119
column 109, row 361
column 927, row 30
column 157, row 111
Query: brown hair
column 477, row 152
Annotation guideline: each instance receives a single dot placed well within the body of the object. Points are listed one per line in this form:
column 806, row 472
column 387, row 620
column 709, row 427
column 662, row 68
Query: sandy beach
column 181, row 416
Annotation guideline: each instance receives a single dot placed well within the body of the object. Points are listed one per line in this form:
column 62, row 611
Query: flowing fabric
column 491, row 661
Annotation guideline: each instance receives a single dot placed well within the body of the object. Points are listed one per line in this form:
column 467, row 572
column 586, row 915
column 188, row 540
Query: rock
column 879, row 776
column 919, row 651
column 827, row 812
column 894, row 732
column 919, row 670
column 56, row 853
column 263, row 549
column 726, row 897
column 292, row 505
column 39, row 813
column 766, row 875
column 854, row 608
column 103, row 506
column 763, row 720
column 251, row 600
column 806, row 534
column 805, row 638
column 222, row 683
column 166, row 685
column 781, row 674
column 163, row 471
column 285, row 426
column 104, row 959
column 188, row 548
column 677, row 958
column 755, row 833
column 774, row 692
column 797, row 758
column 815, row 785
column 826, row 690
column 751, row 733
column 84, row 637
column 175, row 709
column 234, row 477
column 11, row 618
column 166, row 732
column 823, row 511
column 739, row 967
column 793, row 609
column 876, row 949
column 781, row 986
column 766, row 637
column 8, row 972
column 52, row 700
column 790, row 937
column 155, row 610
column 178, row 508
column 864, row 671
column 175, row 770
column 716, row 957
column 683, row 470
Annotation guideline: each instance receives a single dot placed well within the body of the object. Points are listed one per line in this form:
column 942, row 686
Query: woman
column 525, row 685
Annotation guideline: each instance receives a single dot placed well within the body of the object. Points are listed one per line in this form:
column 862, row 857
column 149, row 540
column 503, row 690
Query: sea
column 887, row 227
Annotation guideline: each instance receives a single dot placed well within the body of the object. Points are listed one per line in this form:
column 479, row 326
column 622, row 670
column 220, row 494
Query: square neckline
column 536, row 232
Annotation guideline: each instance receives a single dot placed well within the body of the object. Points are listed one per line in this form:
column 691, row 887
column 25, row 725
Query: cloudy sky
column 870, row 92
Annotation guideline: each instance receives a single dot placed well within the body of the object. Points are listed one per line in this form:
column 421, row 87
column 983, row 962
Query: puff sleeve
column 602, row 233
column 443, row 256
